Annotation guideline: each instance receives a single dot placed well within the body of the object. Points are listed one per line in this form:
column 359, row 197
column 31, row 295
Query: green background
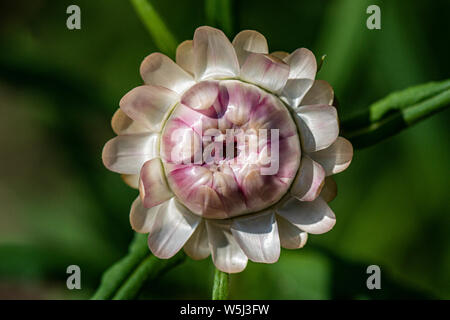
column 60, row 206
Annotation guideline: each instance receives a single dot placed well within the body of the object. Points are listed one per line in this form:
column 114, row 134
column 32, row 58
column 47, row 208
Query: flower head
column 231, row 149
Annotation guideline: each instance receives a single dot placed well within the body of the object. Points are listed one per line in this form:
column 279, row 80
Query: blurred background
column 59, row 206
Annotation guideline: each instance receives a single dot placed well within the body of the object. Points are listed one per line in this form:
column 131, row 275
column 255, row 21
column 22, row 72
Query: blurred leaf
column 125, row 278
column 396, row 112
column 218, row 14
column 161, row 34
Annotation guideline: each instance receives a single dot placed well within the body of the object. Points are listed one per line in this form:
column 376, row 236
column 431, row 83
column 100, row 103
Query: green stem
column 124, row 279
column 399, row 110
column 220, row 285
column 164, row 39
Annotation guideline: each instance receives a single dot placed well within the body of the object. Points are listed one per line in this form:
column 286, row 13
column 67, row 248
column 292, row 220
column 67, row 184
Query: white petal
column 149, row 105
column 226, row 253
column 329, row 190
column 302, row 64
column 153, row 187
column 197, row 246
column 280, row 54
column 335, row 158
column 123, row 124
column 309, row 181
column 295, row 90
column 127, row 153
column 172, row 227
column 159, row 70
column 291, row 237
column 185, row 56
column 318, row 126
column 214, row 55
column 258, row 237
column 266, row 71
column 201, row 96
column 320, row 93
column 249, row 41
column 302, row 71
column 311, row 216
column 131, row 179
column 142, row 218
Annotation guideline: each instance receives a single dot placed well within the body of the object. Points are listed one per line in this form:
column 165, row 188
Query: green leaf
column 397, row 111
column 124, row 279
column 220, row 286
column 164, row 39
column 218, row 14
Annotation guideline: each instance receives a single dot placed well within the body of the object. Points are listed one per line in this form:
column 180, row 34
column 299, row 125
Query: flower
column 231, row 149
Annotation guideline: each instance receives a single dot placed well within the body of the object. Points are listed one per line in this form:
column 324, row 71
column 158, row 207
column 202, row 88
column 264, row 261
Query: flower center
column 229, row 148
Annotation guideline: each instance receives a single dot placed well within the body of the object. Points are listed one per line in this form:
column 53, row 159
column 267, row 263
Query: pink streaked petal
column 202, row 95
column 214, row 55
column 266, row 71
column 159, row 70
column 242, row 99
column 153, row 187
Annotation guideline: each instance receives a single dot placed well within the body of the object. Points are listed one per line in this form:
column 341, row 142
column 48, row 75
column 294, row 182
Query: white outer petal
column 302, row 64
column 197, row 247
column 329, row 190
column 257, row 235
column 266, row 71
column 318, row 125
column 123, row 124
column 159, row 70
column 309, row 181
column 173, row 226
column 291, row 237
column 313, row 217
column 214, row 55
column 321, row 92
column 335, row 158
column 131, row 180
column 226, row 253
column 302, row 71
column 249, row 41
column 185, row 56
column 142, row 218
column 149, row 105
column 127, row 153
